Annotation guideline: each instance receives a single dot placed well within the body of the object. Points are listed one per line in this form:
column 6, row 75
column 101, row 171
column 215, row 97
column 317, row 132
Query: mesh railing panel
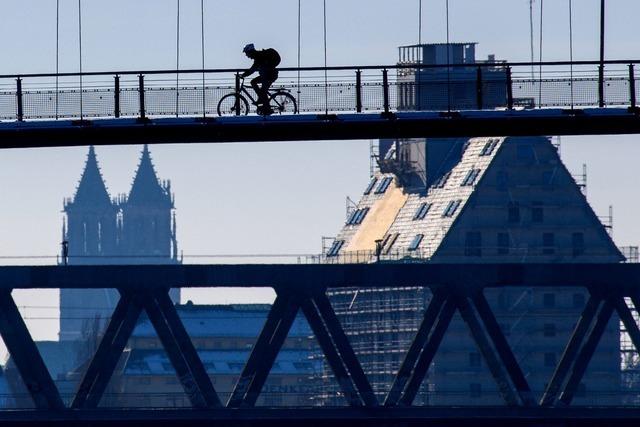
column 407, row 92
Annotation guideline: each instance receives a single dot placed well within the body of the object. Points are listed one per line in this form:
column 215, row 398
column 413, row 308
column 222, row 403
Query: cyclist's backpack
column 272, row 57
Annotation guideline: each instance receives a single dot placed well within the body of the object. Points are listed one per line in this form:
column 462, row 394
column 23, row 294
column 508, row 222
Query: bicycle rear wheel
column 283, row 102
column 231, row 104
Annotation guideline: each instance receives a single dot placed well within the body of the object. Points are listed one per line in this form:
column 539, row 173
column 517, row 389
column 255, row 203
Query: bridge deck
column 55, row 133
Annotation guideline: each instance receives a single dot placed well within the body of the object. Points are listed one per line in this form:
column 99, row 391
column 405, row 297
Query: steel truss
column 302, row 288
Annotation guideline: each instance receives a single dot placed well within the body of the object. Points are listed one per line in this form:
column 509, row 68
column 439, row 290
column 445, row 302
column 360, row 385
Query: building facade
column 223, row 336
column 469, row 200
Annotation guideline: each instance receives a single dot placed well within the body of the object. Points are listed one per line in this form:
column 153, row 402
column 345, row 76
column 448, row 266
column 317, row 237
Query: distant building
column 138, row 229
column 223, row 336
column 476, row 200
column 60, row 359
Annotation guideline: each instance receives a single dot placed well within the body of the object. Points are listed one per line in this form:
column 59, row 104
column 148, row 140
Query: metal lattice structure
column 456, row 288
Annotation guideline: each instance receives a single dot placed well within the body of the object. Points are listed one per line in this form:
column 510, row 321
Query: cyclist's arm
column 251, row 70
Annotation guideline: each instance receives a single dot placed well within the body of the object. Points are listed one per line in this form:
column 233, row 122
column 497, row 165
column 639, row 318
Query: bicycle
column 236, row 103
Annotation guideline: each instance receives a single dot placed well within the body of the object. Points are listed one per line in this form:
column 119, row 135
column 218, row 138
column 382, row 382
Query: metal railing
column 391, row 88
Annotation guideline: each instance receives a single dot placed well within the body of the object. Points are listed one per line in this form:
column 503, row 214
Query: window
column 548, row 243
column 537, row 212
column 549, row 330
column 357, row 216
column 384, row 184
column 475, row 390
column 549, row 300
column 577, row 243
column 474, row 360
column 372, row 184
column 488, row 148
column 578, row 300
column 514, row 212
column 470, row 178
column 504, row 243
column 335, row 248
column 352, row 216
column 473, row 244
column 451, row 208
column 550, row 360
column 442, row 181
column 422, row 211
column 416, row 242
column 388, row 242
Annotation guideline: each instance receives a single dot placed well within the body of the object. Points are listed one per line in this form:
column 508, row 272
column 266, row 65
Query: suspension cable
column 571, row 49
column 57, row 52
column 531, row 38
column 299, row 39
column 177, row 54
column 419, row 21
column 540, row 55
column 326, row 88
column 204, row 109
column 448, row 61
column 80, row 51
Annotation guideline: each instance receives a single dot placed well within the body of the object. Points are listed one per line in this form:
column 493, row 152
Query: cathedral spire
column 146, row 188
column 91, row 190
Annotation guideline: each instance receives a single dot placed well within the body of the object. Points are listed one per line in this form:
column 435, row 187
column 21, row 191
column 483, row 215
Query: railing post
column 601, row 86
column 116, row 96
column 385, row 86
column 358, row 91
column 141, row 94
column 632, row 86
column 19, row 99
column 237, row 103
column 509, row 89
column 479, row 88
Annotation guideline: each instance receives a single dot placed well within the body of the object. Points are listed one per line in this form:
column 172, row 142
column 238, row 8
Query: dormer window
column 357, row 216
column 451, row 208
column 470, row 178
column 384, row 184
column 415, row 243
column 335, row 248
column 422, row 211
column 488, row 148
column 372, row 184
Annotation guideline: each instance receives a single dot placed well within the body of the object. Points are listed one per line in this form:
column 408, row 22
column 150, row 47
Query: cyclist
column 264, row 62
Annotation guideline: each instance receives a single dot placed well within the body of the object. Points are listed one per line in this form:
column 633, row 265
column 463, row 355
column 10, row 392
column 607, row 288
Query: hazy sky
column 276, row 197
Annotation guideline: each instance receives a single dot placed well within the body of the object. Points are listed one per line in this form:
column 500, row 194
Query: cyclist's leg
column 257, row 84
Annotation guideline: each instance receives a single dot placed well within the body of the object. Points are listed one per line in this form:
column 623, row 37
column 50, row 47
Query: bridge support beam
column 103, row 363
column 26, row 357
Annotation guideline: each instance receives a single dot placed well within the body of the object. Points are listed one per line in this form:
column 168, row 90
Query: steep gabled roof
column 91, row 191
column 146, row 188
column 475, row 195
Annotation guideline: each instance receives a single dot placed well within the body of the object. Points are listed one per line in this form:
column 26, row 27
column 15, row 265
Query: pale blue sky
column 277, row 197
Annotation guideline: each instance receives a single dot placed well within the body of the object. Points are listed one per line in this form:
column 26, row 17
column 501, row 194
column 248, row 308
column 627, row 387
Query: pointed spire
column 91, row 190
column 146, row 188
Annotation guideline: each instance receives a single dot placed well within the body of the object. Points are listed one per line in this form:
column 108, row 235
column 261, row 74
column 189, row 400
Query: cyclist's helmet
column 249, row 48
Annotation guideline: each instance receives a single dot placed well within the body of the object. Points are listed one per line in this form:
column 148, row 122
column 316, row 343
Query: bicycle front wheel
column 233, row 104
column 283, row 102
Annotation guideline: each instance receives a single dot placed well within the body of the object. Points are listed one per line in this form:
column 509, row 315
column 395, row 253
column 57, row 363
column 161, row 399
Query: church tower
column 148, row 223
column 91, row 234
column 140, row 229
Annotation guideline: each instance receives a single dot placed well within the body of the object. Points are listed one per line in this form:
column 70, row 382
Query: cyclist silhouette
column 265, row 63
